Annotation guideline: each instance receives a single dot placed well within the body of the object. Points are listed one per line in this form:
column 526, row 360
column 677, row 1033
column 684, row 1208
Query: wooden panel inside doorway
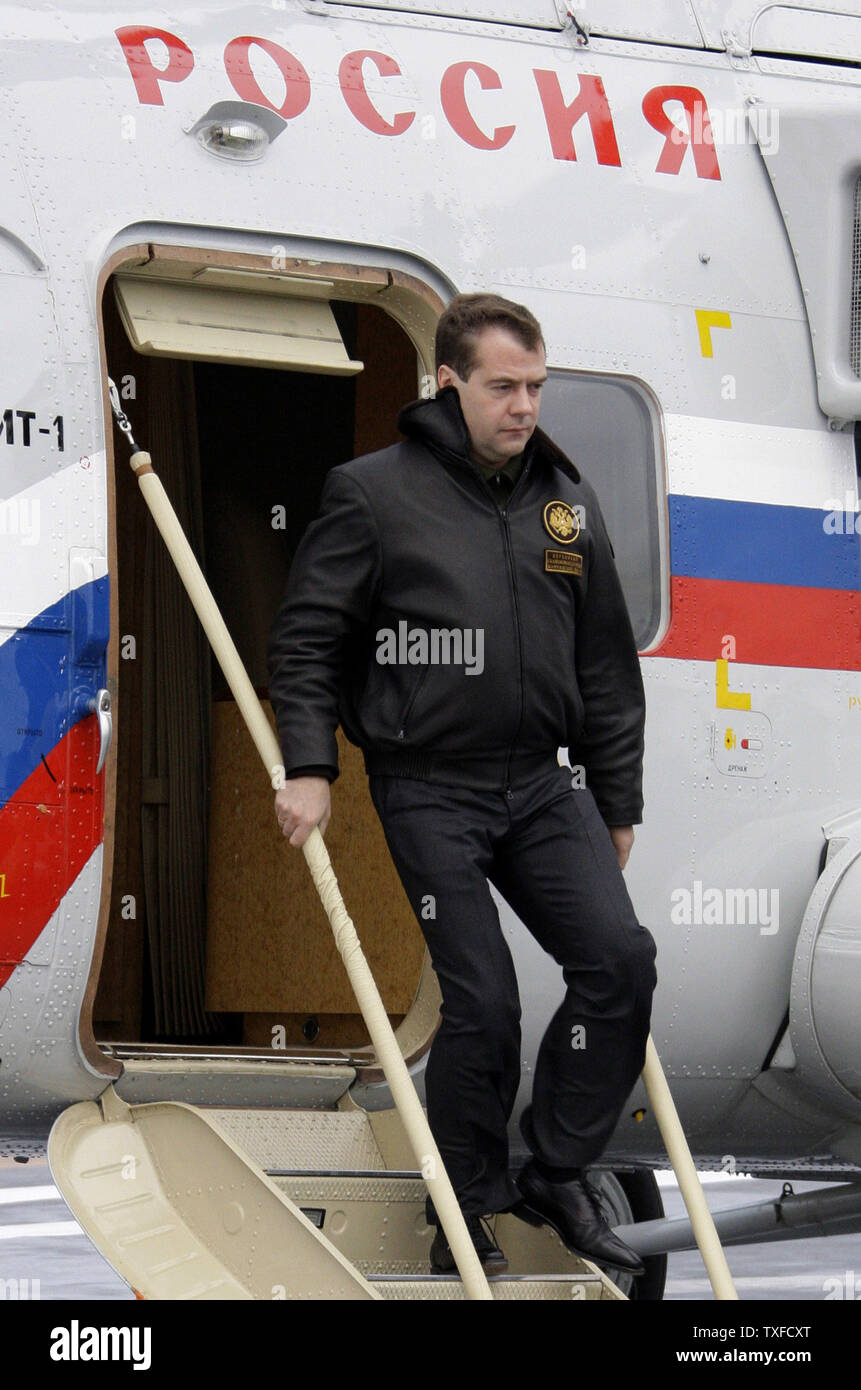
column 270, row 946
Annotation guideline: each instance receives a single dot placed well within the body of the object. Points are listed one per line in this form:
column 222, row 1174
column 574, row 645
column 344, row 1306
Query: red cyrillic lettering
column 296, row 80
column 145, row 75
column 698, row 134
column 458, row 114
column 561, row 119
column 352, row 82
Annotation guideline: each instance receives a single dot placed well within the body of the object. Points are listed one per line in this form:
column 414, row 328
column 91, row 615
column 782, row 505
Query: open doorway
column 213, row 935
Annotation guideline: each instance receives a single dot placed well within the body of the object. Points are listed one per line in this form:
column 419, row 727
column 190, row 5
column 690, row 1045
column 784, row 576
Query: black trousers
column 548, row 852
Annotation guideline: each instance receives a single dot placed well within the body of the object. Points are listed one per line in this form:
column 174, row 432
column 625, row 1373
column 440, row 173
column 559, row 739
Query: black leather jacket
column 409, row 543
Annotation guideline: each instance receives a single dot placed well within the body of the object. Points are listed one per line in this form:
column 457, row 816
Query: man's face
column 500, row 401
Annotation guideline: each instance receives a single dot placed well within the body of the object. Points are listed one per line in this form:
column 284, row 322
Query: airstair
column 195, row 1202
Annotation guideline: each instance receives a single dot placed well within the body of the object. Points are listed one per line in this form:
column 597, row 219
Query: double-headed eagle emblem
column 562, row 522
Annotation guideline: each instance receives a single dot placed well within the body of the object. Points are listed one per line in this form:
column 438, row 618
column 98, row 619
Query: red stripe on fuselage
column 48, row 831
column 772, row 624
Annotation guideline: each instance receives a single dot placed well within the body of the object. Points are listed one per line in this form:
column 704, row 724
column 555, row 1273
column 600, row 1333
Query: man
column 457, row 606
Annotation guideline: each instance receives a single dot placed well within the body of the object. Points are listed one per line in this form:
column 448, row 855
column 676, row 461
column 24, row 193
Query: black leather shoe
column 492, row 1259
column 573, row 1211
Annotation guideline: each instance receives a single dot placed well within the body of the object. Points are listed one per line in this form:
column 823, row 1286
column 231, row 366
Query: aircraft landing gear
column 626, row 1198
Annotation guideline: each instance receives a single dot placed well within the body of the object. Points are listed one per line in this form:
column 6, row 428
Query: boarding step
column 351, row 1173
column 182, row 1210
column 318, row 1141
column 376, row 1220
column 523, row 1288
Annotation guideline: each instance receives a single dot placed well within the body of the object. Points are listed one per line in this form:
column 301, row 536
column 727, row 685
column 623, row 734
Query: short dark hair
column 467, row 315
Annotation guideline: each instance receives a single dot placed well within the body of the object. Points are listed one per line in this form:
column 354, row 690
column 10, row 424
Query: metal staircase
column 191, row 1202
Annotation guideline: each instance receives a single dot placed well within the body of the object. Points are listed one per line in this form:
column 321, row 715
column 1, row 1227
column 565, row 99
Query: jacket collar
column 438, row 423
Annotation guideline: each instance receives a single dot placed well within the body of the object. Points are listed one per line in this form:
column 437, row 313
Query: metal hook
column 122, row 419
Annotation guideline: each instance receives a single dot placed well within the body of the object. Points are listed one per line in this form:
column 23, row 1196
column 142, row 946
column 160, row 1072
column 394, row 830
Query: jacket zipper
column 411, row 701
column 510, row 557
column 502, row 513
column 506, row 531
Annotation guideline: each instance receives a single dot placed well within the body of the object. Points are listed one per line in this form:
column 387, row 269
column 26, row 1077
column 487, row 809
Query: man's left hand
column 623, row 838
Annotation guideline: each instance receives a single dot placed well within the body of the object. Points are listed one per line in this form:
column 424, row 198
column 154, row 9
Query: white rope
column 690, row 1186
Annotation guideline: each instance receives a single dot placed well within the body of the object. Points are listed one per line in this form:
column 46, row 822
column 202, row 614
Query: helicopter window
column 609, row 428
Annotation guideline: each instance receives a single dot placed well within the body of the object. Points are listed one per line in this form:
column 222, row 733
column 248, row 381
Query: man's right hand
column 302, row 803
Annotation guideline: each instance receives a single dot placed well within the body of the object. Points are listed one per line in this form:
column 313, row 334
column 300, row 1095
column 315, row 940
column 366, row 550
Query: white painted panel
column 657, row 21
column 746, row 462
column 660, row 21
column 787, row 30
column 535, row 14
column 741, row 18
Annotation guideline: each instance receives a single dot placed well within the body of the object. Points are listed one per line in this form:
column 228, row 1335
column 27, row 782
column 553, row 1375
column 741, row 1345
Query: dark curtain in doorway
column 176, row 725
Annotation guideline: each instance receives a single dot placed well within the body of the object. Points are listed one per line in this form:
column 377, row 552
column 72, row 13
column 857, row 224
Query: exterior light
column 238, row 130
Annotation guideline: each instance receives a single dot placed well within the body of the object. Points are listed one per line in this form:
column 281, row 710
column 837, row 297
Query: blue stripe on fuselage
column 758, row 543
column 48, row 670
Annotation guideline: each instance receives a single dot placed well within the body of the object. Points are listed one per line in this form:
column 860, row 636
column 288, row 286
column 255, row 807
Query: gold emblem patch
column 561, row 522
column 563, row 562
